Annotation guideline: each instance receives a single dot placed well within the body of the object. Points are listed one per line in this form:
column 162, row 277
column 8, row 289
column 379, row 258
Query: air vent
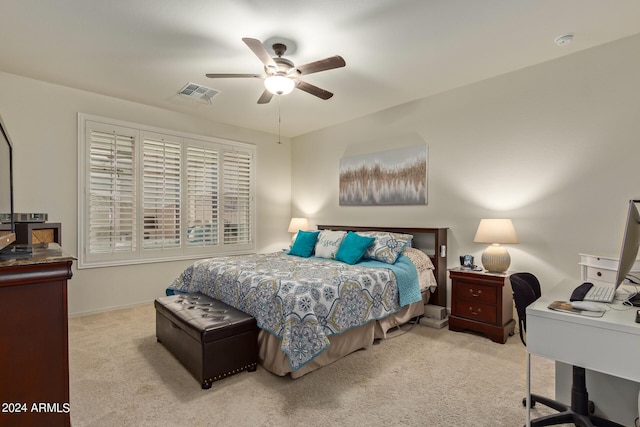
column 198, row 92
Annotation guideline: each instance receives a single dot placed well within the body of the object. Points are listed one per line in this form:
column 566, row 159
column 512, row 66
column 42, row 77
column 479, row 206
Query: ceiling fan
column 281, row 75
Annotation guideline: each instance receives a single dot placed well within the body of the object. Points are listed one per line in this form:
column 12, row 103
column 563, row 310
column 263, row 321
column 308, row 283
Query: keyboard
column 600, row 294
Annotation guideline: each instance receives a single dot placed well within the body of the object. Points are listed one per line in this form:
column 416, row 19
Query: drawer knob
column 475, row 313
column 599, row 273
column 475, row 294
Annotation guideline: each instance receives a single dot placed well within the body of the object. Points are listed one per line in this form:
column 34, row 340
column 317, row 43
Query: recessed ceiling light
column 564, row 39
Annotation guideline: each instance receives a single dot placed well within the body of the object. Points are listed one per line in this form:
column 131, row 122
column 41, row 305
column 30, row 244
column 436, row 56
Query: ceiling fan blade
column 313, row 90
column 265, row 97
column 224, row 76
column 259, row 50
column 321, row 65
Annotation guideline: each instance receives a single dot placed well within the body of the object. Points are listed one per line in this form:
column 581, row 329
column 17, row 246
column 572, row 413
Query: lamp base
column 496, row 259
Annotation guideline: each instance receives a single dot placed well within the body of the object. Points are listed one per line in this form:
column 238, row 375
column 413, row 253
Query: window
column 148, row 194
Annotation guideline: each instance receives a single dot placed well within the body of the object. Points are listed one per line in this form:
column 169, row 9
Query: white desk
column 609, row 344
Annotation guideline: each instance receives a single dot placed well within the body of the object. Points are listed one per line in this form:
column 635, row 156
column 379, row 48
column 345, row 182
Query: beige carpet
column 120, row 376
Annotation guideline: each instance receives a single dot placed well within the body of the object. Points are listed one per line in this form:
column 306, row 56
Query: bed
column 313, row 310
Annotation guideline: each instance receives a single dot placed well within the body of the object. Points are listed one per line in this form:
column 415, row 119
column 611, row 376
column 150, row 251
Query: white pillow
column 328, row 243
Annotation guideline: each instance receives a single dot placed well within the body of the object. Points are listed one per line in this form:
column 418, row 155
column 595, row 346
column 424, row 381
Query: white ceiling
column 396, row 50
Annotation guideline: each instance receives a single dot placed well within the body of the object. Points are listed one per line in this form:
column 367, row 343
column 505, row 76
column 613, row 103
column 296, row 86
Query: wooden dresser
column 481, row 302
column 34, row 356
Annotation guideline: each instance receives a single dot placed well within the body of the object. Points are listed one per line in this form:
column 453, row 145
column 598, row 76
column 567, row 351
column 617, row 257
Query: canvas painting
column 395, row 177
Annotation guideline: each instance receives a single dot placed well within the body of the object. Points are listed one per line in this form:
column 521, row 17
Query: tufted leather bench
column 211, row 339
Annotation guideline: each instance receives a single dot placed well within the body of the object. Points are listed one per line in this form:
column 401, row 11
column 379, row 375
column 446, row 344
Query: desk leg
column 528, row 397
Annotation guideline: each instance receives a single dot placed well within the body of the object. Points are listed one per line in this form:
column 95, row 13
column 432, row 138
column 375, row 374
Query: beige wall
column 555, row 147
column 42, row 121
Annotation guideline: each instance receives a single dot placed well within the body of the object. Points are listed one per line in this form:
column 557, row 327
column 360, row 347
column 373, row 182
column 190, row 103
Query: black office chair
column 526, row 289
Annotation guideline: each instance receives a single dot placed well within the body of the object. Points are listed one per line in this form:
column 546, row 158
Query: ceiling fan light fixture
column 282, row 75
column 279, row 85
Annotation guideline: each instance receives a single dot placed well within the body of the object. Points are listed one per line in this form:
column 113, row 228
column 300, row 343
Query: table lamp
column 495, row 258
column 296, row 225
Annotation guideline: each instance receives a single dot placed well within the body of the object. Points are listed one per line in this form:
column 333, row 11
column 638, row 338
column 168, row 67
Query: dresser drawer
column 602, row 269
column 480, row 312
column 599, row 274
column 475, row 292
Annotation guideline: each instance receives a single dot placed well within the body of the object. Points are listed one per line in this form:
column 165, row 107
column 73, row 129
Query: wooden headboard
column 433, row 241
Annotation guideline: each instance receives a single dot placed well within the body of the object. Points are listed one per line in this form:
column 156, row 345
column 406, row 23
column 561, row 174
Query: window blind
column 237, row 197
column 161, row 184
column 149, row 194
column 112, row 189
column 202, row 196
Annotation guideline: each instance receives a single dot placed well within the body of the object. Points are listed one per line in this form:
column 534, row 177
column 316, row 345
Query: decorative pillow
column 304, row 244
column 424, row 267
column 328, row 243
column 352, row 248
column 420, row 259
column 387, row 245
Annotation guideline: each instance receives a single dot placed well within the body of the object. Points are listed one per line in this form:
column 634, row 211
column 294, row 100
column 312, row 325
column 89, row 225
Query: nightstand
column 481, row 302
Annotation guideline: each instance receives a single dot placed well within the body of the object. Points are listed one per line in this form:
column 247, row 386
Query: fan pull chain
column 279, row 121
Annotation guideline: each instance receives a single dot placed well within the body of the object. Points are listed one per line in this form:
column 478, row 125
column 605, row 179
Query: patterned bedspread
column 301, row 300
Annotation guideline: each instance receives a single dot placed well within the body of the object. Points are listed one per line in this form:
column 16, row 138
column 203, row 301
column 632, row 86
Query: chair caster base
column 591, row 407
column 524, row 402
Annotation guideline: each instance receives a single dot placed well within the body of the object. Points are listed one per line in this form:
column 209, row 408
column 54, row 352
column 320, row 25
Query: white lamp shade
column 297, row 224
column 495, row 231
column 495, row 258
column 279, row 85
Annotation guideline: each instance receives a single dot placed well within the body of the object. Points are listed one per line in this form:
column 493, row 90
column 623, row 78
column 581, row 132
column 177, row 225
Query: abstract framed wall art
column 394, row 177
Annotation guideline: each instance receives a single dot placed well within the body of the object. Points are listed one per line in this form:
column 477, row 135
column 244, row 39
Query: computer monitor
column 630, row 243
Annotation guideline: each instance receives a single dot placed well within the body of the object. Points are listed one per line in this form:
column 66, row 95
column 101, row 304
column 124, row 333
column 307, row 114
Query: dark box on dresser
column 210, row 338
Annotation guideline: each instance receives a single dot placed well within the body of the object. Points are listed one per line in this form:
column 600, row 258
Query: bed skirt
column 272, row 358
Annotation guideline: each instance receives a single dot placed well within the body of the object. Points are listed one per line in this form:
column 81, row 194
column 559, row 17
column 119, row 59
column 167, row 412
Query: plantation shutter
column 112, row 190
column 150, row 195
column 202, row 196
column 237, row 197
column 161, row 178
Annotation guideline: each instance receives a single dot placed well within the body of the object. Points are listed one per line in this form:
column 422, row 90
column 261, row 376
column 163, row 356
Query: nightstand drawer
column 476, row 293
column 480, row 312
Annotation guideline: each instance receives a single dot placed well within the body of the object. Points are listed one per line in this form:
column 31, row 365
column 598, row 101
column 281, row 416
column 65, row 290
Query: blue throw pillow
column 352, row 248
column 304, row 244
